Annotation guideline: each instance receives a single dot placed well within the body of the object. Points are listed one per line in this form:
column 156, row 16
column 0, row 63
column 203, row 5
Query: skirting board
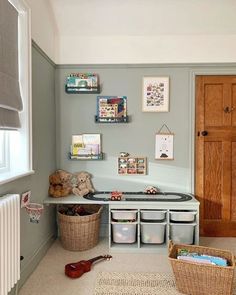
column 34, row 260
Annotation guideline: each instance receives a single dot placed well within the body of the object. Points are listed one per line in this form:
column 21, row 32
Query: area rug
column 121, row 283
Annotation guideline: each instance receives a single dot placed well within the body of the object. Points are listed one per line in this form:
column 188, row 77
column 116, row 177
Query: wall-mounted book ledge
column 111, row 119
column 81, row 90
column 82, row 83
column 86, row 157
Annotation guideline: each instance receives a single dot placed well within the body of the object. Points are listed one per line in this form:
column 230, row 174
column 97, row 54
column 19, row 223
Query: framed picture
column 155, row 94
column 164, row 148
column 132, row 165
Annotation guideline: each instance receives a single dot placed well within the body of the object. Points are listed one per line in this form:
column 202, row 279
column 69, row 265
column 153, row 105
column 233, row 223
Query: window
column 16, row 146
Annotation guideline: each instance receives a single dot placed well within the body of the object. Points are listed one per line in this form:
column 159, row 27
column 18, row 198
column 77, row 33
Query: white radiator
column 9, row 242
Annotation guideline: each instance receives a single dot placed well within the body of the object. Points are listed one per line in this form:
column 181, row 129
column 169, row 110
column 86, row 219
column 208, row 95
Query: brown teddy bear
column 60, row 184
column 84, row 185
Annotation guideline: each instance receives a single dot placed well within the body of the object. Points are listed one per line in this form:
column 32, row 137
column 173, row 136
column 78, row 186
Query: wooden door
column 215, row 146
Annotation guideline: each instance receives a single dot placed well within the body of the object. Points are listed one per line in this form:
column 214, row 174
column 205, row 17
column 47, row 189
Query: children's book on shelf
column 77, row 82
column 111, row 108
column 86, row 145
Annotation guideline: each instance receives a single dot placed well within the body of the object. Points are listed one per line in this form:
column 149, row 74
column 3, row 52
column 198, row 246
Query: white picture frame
column 164, row 146
column 155, row 94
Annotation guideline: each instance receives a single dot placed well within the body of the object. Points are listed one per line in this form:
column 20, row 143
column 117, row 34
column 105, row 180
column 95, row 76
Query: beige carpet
column 49, row 278
column 121, row 283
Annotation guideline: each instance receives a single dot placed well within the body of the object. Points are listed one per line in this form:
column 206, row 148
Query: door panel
column 212, row 180
column 215, row 165
column 214, row 98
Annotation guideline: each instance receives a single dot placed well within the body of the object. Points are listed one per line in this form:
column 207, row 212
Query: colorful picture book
column 86, row 145
column 111, row 108
column 77, row 82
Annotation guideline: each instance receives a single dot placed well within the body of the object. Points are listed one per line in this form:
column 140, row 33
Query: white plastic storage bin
column 182, row 216
column 182, row 233
column 153, row 233
column 153, row 215
column 124, row 232
column 124, row 214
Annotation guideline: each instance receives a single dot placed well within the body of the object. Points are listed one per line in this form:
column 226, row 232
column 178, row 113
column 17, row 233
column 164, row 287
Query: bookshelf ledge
column 86, row 157
column 111, row 119
column 80, row 90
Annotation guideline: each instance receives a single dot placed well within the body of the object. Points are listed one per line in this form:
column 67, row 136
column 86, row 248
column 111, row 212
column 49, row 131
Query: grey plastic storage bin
column 124, row 214
column 182, row 233
column 153, row 233
column 155, row 215
column 124, row 232
column 182, row 216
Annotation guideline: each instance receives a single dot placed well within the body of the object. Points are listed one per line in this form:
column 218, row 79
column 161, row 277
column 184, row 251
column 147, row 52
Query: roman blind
column 10, row 98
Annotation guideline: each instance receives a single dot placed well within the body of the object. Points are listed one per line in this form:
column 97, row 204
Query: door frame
column 192, row 89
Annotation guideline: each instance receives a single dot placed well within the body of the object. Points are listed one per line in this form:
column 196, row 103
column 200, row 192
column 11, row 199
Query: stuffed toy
column 84, row 185
column 60, row 184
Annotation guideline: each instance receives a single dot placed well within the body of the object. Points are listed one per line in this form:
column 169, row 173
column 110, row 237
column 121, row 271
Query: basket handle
column 100, row 210
column 170, row 246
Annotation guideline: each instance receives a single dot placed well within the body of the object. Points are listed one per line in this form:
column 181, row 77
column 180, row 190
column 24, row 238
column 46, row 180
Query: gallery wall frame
column 155, row 94
column 164, row 146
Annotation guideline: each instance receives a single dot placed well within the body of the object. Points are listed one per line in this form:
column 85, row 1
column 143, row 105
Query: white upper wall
column 43, row 27
column 136, row 31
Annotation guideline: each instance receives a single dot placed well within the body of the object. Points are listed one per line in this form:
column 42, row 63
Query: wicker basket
column 202, row 279
column 80, row 233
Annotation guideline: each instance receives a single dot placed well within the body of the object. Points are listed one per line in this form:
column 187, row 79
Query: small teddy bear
column 84, row 185
column 60, row 184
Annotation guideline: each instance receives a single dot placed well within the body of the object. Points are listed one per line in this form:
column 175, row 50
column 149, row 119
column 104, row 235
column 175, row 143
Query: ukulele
column 77, row 269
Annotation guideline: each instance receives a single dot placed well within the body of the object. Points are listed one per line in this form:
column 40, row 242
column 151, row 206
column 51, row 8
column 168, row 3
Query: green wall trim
column 166, row 65
column 35, row 45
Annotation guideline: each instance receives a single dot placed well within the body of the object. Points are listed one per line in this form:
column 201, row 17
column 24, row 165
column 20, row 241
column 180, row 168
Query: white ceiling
column 144, row 17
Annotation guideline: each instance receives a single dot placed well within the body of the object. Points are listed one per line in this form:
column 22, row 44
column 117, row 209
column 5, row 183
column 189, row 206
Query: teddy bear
column 84, row 185
column 60, row 184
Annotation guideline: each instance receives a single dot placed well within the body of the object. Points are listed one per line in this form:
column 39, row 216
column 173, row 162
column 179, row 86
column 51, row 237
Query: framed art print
column 155, row 97
column 164, row 148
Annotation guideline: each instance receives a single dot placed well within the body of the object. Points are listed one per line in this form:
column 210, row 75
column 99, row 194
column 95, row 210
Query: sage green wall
column 36, row 238
column 76, row 115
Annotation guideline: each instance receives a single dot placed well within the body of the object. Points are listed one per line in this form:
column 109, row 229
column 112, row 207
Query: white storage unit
column 156, row 224
column 151, row 220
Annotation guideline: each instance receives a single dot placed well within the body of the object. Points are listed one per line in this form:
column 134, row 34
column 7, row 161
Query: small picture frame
column 155, row 94
column 164, row 146
column 132, row 165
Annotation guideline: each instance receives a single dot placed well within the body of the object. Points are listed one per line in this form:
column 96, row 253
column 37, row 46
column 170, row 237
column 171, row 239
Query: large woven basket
column 80, row 233
column 202, row 279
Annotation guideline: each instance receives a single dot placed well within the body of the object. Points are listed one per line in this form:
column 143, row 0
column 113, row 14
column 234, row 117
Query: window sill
column 8, row 177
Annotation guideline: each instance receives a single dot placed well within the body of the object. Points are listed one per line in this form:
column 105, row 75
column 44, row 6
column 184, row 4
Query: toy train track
column 141, row 196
